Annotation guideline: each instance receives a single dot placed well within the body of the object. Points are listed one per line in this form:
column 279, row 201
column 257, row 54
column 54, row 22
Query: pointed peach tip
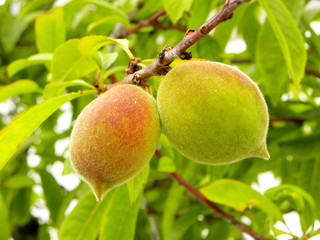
column 263, row 152
column 99, row 193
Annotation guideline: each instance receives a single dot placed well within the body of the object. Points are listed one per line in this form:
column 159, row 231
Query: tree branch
column 312, row 71
column 142, row 24
column 284, row 119
column 211, row 205
column 161, row 65
column 166, row 27
column 215, row 208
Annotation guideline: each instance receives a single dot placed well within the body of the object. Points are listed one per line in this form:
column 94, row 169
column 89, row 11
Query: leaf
column 166, row 164
column 223, row 32
column 69, row 64
column 296, row 7
column 32, row 6
column 4, row 219
column 57, row 88
column 21, row 64
column 17, row 88
column 278, row 232
column 239, row 196
column 14, row 134
column 290, row 198
column 171, row 206
column 271, row 63
column 302, row 147
column 136, row 185
column 53, row 193
column 119, row 221
column 50, row 30
column 186, row 221
column 289, row 37
column 105, row 60
column 309, row 177
column 108, row 6
column 11, row 30
column 148, row 9
column 20, row 213
column 249, row 26
column 107, row 23
column 91, row 44
column 217, row 171
column 19, row 181
column 83, row 221
column 199, row 13
column 176, row 8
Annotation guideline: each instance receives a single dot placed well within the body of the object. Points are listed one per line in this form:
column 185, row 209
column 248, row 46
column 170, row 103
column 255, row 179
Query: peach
column 115, row 137
column 213, row 113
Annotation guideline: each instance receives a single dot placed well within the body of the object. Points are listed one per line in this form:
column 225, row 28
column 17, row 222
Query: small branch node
column 189, row 32
column 162, row 54
column 185, row 56
column 204, row 29
column 229, row 17
column 133, row 65
column 164, row 70
column 137, row 79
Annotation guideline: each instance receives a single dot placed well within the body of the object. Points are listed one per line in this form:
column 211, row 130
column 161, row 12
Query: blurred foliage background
column 53, row 52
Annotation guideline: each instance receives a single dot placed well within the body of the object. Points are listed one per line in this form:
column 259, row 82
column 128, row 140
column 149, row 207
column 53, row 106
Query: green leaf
column 4, row 219
column 199, row 13
column 302, row 147
column 278, row 232
column 14, row 134
column 57, row 88
column 21, row 64
column 249, row 26
column 32, row 6
column 20, row 213
column 223, row 32
column 309, row 178
column 114, row 70
column 19, row 181
column 176, row 8
column 107, row 23
column 171, row 206
column 291, row 197
column 136, row 185
column 107, row 6
column 105, row 60
column 11, row 30
column 50, row 30
column 17, row 88
column 68, row 63
column 217, row 171
column 166, row 164
column 296, row 7
column 148, row 9
column 186, row 221
column 166, row 147
column 271, row 63
column 83, row 222
column 239, row 196
column 289, row 37
column 119, row 221
column 67, row 167
column 53, row 193
column 91, row 44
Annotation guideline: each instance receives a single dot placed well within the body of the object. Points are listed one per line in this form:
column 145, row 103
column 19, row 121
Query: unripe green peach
column 115, row 137
column 213, row 113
